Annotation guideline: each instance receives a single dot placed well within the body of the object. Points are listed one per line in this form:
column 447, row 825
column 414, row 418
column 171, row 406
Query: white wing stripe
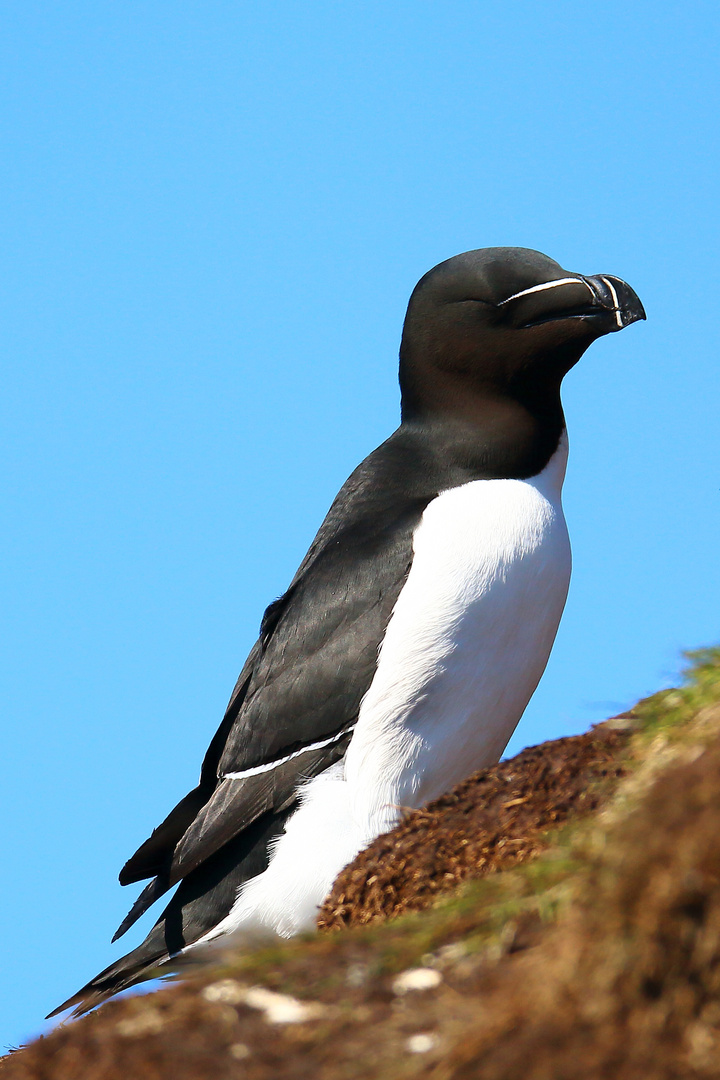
column 269, row 765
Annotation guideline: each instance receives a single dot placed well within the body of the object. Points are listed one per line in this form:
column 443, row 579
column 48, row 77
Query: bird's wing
column 293, row 709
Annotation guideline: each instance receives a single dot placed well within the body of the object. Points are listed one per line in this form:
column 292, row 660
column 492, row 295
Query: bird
column 403, row 653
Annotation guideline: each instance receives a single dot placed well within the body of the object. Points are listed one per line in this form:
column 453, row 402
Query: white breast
column 466, row 645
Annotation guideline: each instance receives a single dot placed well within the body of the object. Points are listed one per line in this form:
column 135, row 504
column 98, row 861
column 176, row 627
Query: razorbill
column 409, row 642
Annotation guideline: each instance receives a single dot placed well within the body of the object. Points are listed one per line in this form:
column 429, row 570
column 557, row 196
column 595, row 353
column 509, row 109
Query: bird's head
column 502, row 324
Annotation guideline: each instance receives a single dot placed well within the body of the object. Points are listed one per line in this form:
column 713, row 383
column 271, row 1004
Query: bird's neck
column 493, row 435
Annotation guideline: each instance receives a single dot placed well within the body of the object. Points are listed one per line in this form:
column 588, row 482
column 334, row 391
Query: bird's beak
column 606, row 301
column 616, row 296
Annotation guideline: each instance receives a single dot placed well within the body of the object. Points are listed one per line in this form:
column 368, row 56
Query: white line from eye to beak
column 548, row 285
column 618, row 315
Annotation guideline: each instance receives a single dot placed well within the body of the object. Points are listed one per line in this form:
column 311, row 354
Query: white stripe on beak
column 618, row 316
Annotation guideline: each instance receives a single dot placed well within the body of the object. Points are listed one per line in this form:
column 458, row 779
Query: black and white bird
column 415, row 631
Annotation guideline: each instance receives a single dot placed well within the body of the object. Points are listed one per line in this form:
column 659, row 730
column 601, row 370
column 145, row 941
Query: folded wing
column 297, row 699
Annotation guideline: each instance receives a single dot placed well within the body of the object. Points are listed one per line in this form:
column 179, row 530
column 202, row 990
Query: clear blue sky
column 212, row 217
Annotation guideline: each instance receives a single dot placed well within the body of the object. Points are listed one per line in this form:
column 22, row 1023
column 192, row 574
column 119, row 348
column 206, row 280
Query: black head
column 496, row 329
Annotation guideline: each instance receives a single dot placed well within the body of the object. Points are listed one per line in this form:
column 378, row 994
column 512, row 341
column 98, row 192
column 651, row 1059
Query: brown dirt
column 624, row 985
column 494, row 820
column 627, row 986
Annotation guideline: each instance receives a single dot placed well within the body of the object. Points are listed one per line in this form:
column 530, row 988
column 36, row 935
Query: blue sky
column 212, row 217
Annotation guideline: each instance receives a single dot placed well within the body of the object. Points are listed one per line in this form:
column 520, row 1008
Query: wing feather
column 305, row 678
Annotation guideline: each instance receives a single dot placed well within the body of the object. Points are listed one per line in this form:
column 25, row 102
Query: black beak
column 603, row 299
column 616, row 296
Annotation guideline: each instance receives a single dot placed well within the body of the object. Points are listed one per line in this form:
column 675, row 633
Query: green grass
column 670, row 711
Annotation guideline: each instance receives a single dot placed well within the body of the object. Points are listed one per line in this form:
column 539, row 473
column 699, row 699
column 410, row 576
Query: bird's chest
column 468, row 639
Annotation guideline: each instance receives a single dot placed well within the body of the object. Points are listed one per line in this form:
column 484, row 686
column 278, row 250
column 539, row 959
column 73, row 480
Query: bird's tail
column 202, row 900
column 135, row 967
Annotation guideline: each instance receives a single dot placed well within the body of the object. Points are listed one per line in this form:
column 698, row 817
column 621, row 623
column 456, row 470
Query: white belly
column 468, row 640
